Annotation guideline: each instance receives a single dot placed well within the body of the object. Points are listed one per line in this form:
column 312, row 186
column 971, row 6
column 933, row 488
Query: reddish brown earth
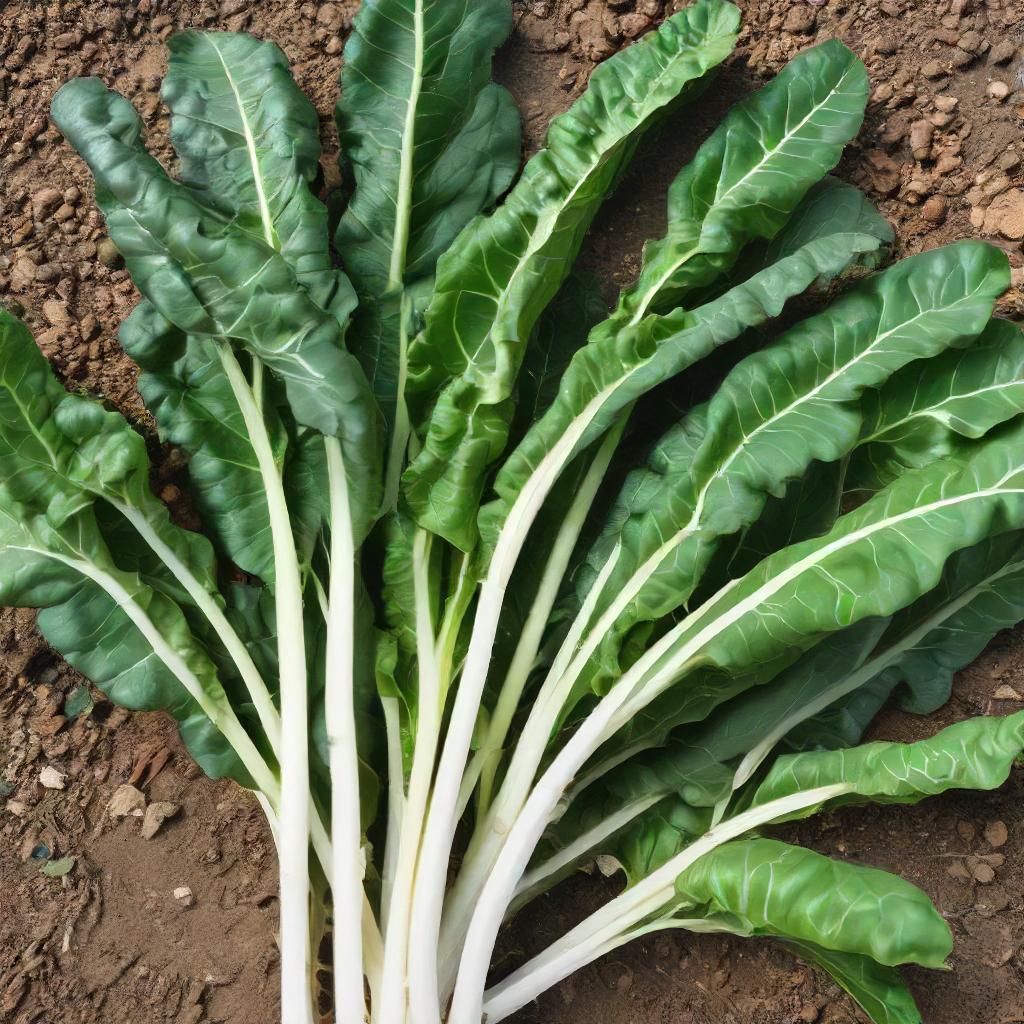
column 109, row 942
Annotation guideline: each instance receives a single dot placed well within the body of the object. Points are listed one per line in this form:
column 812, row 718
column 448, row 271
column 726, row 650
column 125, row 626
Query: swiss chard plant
column 496, row 579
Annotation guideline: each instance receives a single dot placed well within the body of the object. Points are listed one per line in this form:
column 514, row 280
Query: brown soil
column 109, row 942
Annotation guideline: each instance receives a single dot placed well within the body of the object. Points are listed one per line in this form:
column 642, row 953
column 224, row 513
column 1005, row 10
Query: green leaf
column 249, row 140
column 749, row 176
column 430, row 142
column 210, row 276
column 617, row 367
column 780, row 409
column 925, row 412
column 503, row 269
column 764, row 887
column 875, row 561
column 184, row 387
column 879, row 990
column 975, row 754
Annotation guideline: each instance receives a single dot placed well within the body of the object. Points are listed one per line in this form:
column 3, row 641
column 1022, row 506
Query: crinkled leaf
column 764, row 887
column 503, row 269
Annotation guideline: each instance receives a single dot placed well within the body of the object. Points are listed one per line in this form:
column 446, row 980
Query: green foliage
column 497, row 576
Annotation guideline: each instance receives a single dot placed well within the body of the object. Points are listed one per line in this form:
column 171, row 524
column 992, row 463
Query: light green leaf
column 503, row 269
column 780, row 409
column 58, row 868
column 750, row 175
column 764, row 887
column 975, row 754
column 926, row 411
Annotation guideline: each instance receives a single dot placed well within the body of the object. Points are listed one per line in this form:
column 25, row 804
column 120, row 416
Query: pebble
column 1006, row 215
column 51, row 778
column 127, row 800
column 800, row 18
column 934, row 210
column 947, row 104
column 1005, row 692
column 998, row 90
column 933, row 69
column 992, row 900
column 966, row 830
column 1003, row 52
column 156, row 814
column 56, row 312
column 183, row 894
column 45, row 201
column 985, row 874
column 921, row 134
column 996, row 833
column 108, row 254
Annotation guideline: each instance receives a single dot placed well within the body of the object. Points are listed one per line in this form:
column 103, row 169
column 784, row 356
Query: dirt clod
column 126, row 801
column 156, row 814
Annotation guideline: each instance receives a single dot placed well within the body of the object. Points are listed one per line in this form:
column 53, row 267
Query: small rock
column 183, row 894
column 156, row 814
column 971, row 42
column 996, row 833
column 330, row 17
column 966, row 830
column 800, row 18
column 66, row 41
column 64, row 212
column 1008, row 161
column 633, row 24
column 921, row 135
column 998, row 90
column 1003, row 52
column 23, row 274
column 934, row 210
column 127, row 800
column 933, row 69
column 51, row 778
column 1005, row 216
column 45, row 201
column 985, row 874
column 947, row 104
column 1005, row 692
column 108, row 254
column 947, row 163
column 17, row 807
column 992, row 901
column 810, row 1013
column 56, row 312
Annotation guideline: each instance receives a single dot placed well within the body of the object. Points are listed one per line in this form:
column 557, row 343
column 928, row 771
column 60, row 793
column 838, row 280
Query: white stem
column 540, row 610
column 347, row 864
column 606, row 928
column 439, row 835
column 207, row 604
column 393, row 1005
column 396, row 800
column 585, row 842
column 296, row 961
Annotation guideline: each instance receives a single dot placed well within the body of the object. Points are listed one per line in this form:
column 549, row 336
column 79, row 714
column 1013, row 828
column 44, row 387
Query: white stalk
column 542, row 874
column 605, row 928
column 347, row 864
column 396, row 800
column 439, row 835
column 540, row 610
column 207, row 604
column 296, row 961
column 392, row 1008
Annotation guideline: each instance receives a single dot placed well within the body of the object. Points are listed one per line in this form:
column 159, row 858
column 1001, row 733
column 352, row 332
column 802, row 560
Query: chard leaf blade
column 503, row 269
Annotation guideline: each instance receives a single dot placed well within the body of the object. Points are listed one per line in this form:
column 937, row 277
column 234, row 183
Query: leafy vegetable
column 493, row 581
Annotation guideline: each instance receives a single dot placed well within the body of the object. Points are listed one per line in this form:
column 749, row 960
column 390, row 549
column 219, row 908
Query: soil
column 110, row 941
